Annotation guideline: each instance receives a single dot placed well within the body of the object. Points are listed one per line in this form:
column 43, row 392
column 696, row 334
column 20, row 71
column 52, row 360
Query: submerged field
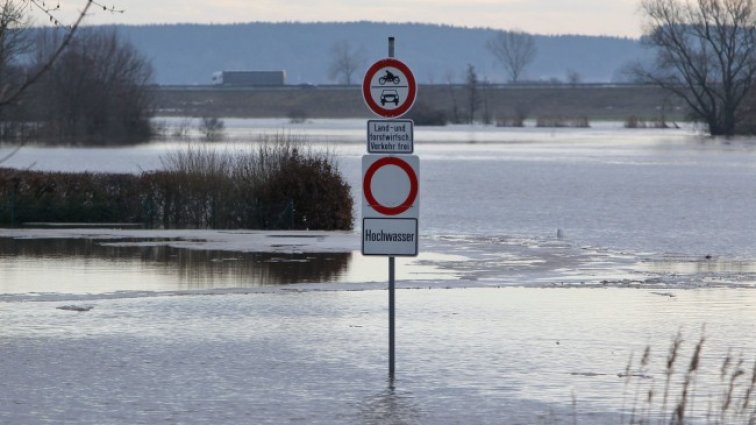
column 594, row 101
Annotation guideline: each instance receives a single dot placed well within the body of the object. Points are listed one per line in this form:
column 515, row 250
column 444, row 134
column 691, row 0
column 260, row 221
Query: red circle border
column 368, row 191
column 373, row 105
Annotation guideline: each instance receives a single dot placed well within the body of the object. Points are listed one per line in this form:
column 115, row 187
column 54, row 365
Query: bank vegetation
column 280, row 184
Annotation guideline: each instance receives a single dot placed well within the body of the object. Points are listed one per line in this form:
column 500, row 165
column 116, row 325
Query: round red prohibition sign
column 368, row 180
column 389, row 95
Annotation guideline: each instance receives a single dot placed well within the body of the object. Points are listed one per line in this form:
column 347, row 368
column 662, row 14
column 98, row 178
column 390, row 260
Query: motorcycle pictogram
column 389, row 77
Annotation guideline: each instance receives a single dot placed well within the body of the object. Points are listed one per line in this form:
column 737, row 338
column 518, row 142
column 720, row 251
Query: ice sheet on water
column 144, row 268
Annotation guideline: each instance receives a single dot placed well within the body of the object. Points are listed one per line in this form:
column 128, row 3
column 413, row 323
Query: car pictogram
column 389, row 96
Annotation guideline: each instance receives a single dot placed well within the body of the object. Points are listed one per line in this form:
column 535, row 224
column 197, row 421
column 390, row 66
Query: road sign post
column 390, row 182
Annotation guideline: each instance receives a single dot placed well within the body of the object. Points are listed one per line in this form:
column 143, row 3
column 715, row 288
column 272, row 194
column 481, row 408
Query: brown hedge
column 302, row 192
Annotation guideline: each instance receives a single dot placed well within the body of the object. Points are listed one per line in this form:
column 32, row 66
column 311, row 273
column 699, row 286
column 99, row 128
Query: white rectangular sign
column 389, row 236
column 390, row 136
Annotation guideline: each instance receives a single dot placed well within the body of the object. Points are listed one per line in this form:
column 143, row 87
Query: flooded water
column 643, row 191
column 86, row 266
column 548, row 258
column 489, row 356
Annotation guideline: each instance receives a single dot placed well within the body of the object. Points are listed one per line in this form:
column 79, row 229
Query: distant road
column 214, row 87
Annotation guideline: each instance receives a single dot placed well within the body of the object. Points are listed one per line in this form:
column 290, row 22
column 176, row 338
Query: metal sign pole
column 392, row 286
column 392, row 315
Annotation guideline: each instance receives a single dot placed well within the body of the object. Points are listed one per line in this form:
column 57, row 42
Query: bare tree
column 705, row 53
column 96, row 92
column 13, row 41
column 515, row 50
column 14, row 44
column 473, row 93
column 455, row 115
column 14, row 21
column 573, row 77
column 15, row 9
column 346, row 60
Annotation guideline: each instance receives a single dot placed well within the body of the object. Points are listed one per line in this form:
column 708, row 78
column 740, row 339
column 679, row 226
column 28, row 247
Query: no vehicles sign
column 389, row 88
column 390, row 186
column 390, row 205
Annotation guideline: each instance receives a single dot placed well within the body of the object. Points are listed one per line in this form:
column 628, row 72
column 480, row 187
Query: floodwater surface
column 643, row 191
column 483, row 356
column 494, row 325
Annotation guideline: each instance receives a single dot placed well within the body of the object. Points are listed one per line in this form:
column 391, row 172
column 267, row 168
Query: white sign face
column 390, row 136
column 390, row 186
column 389, row 236
column 389, row 88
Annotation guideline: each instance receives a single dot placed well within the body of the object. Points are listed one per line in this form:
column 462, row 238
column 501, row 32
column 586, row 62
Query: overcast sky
column 595, row 17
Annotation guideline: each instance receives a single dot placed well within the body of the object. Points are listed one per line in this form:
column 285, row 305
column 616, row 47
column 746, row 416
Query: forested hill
column 190, row 53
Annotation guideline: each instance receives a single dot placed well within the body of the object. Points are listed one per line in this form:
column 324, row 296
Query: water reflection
column 390, row 407
column 34, row 262
column 698, row 265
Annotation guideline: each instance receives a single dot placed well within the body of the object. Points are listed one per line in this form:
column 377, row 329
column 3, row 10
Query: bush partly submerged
column 280, row 184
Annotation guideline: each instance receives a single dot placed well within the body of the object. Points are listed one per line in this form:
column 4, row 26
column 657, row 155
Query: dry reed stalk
column 628, row 374
column 669, row 371
column 737, row 372
column 749, row 390
column 690, row 376
column 645, row 359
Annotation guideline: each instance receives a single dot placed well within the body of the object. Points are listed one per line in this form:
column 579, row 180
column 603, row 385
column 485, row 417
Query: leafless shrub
column 633, row 121
column 181, row 129
column 212, row 129
column 563, row 122
column 278, row 184
column 297, row 116
column 515, row 121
